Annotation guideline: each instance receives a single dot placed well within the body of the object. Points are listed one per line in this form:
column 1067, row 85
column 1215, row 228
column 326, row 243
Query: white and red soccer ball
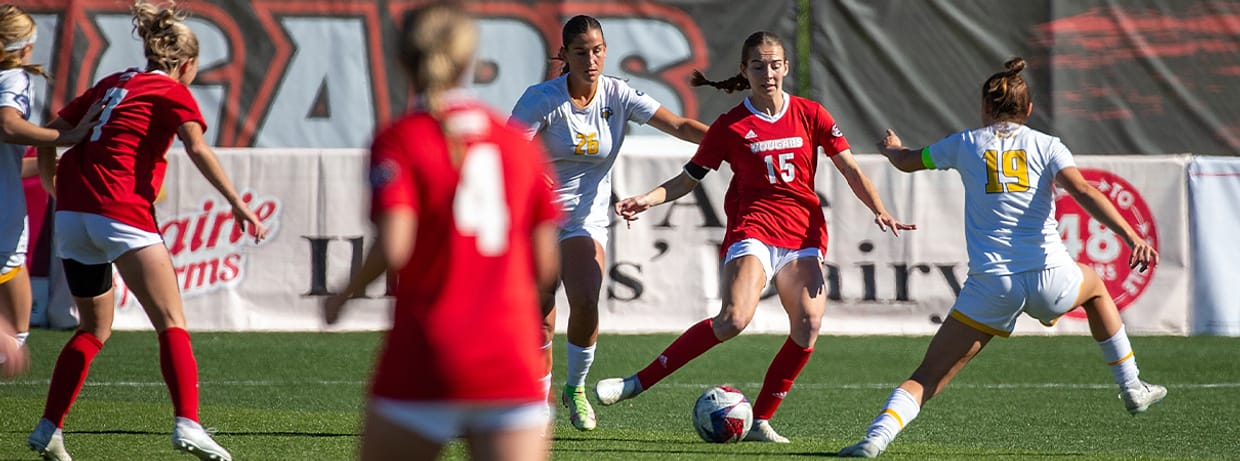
column 722, row 415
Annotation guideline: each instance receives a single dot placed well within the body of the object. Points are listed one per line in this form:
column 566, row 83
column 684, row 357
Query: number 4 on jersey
column 480, row 207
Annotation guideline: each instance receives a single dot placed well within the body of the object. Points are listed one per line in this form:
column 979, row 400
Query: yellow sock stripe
column 894, row 415
column 979, row 326
column 1117, row 362
column 5, row 277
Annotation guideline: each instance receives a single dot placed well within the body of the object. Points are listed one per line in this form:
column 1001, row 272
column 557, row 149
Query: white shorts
column 773, row 258
column 991, row 303
column 598, row 233
column 95, row 239
column 14, row 258
column 441, row 422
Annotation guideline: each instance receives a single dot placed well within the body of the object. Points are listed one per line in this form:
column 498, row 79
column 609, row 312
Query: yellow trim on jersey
column 1117, row 362
column 894, row 415
column 979, row 326
column 5, row 277
column 926, row 160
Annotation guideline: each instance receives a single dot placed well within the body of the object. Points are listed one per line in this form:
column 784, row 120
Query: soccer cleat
column 763, row 432
column 48, row 441
column 580, row 413
column 188, row 436
column 866, row 448
column 612, row 390
column 1138, row 399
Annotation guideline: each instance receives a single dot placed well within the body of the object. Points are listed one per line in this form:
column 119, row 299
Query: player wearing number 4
column 1017, row 261
column 776, row 229
column 581, row 118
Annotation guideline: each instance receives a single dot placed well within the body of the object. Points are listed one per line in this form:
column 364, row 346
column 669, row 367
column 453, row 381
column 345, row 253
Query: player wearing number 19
column 776, row 229
column 1017, row 260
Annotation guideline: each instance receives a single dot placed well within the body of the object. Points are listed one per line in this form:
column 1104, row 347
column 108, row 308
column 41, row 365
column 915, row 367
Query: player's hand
column 1143, row 255
column 245, row 217
column 13, row 357
column 85, row 125
column 630, row 207
column 891, row 140
column 333, row 306
column 885, row 221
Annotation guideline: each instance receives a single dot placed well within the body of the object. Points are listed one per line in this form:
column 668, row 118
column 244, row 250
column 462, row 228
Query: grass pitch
column 285, row 396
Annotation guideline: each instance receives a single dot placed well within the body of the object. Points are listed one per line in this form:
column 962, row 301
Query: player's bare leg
column 1107, row 328
column 581, row 270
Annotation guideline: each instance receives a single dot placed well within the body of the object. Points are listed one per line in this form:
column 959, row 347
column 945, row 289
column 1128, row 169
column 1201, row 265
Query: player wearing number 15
column 1017, row 260
column 776, row 229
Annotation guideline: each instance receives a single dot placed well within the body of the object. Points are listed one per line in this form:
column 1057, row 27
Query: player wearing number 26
column 776, row 230
column 1017, row 260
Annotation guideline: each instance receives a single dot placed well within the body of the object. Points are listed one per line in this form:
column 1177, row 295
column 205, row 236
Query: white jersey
column 582, row 142
column 1008, row 171
column 16, row 91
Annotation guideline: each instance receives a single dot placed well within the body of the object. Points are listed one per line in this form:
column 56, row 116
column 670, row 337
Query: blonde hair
column 16, row 25
column 166, row 42
column 437, row 49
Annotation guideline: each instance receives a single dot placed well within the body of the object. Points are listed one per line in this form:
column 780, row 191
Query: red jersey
column 467, row 323
column 118, row 169
column 771, row 197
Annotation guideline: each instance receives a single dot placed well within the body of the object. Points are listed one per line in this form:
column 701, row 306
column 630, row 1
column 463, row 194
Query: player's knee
column 730, row 324
column 88, row 280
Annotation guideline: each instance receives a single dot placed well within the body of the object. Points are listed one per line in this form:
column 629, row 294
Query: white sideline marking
column 677, row 385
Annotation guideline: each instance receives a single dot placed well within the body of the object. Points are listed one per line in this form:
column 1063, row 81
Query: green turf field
column 277, row 396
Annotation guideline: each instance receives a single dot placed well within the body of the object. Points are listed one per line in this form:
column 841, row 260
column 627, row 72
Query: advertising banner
column 1214, row 187
column 321, row 74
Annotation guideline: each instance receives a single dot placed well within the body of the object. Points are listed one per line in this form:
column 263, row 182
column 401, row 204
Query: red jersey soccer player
column 776, row 230
column 464, row 212
column 106, row 186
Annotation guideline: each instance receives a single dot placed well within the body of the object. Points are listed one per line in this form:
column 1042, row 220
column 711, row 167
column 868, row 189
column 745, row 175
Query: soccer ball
column 722, row 414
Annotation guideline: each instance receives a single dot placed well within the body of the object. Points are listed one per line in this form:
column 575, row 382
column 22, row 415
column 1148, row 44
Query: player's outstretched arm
column 1143, row 254
column 864, row 190
column 670, row 190
column 204, row 158
column 903, row 158
column 684, row 128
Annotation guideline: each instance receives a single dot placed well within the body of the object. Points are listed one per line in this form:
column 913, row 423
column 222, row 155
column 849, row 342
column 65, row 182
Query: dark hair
column 578, row 25
column 738, row 82
column 16, row 25
column 166, row 41
column 1006, row 95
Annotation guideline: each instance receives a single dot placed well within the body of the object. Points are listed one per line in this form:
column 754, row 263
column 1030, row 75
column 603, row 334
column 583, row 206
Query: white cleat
column 866, row 448
column 48, row 441
column 1139, row 398
column 189, row 437
column 612, row 390
column 763, row 432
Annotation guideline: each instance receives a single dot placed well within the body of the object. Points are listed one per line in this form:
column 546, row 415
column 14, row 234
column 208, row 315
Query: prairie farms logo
column 208, row 248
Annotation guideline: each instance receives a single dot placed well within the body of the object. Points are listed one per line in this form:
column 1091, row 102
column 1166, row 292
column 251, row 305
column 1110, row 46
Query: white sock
column 546, row 380
column 900, row 410
column 579, row 361
column 21, row 338
column 1118, row 353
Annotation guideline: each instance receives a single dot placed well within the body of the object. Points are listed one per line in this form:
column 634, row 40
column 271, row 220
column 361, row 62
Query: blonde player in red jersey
column 105, row 187
column 776, row 230
column 458, row 197
column 1009, row 172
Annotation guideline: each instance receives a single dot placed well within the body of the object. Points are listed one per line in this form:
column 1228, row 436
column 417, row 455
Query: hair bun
column 1015, row 65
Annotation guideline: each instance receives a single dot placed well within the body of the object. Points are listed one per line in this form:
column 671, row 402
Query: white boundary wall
column 663, row 272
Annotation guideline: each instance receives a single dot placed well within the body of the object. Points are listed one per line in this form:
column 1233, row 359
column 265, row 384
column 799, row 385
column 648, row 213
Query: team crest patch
column 606, row 113
column 383, row 173
column 835, row 131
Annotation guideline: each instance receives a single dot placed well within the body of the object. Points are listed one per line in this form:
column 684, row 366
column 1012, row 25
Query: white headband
column 21, row 43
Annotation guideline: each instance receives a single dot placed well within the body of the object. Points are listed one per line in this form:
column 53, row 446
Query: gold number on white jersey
column 587, row 144
column 480, row 207
column 1012, row 164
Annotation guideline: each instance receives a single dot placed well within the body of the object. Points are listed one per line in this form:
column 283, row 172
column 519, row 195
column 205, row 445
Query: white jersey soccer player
column 1008, row 231
column 583, row 143
column 17, row 92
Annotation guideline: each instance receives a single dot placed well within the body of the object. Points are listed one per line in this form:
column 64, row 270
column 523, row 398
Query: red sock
column 176, row 361
column 695, row 341
column 784, row 369
column 70, row 373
